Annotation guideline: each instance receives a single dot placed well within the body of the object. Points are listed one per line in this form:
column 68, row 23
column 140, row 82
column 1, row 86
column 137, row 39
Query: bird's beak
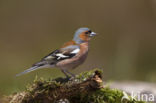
column 92, row 34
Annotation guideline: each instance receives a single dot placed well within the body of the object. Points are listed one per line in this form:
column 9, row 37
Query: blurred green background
column 125, row 48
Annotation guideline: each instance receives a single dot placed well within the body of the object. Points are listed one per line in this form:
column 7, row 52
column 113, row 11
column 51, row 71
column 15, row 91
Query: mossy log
column 86, row 87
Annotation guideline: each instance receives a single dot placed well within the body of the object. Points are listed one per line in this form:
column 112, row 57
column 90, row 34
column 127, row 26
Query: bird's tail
column 29, row 70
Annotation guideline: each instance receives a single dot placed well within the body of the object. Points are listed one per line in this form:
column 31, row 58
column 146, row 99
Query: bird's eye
column 89, row 31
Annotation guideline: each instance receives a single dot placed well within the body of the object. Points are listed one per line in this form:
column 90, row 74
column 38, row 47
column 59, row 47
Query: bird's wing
column 61, row 54
column 51, row 59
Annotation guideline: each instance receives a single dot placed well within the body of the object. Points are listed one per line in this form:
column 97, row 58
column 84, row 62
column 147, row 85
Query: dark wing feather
column 51, row 54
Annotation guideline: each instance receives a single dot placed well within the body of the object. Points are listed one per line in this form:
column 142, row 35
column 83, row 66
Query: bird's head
column 83, row 35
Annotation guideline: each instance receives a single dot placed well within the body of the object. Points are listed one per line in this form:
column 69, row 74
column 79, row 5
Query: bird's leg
column 65, row 73
column 73, row 75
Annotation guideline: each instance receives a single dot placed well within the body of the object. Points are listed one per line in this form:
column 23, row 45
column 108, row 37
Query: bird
column 71, row 54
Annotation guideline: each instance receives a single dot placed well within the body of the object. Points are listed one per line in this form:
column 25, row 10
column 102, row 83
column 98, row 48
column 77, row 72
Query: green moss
column 107, row 95
column 86, row 87
column 85, row 75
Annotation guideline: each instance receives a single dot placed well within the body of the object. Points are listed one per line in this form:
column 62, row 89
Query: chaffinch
column 69, row 56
